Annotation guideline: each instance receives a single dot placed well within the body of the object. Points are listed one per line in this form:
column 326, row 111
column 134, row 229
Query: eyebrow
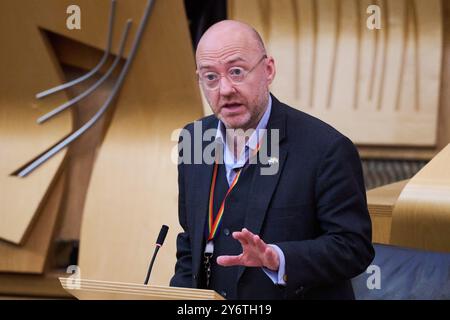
column 206, row 66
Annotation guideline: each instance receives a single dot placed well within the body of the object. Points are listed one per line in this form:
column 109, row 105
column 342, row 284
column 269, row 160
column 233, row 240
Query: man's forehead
column 207, row 60
column 225, row 55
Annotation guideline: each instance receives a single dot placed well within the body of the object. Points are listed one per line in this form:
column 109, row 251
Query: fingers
column 268, row 255
column 229, row 261
column 255, row 252
column 272, row 260
column 238, row 235
column 259, row 244
column 244, row 237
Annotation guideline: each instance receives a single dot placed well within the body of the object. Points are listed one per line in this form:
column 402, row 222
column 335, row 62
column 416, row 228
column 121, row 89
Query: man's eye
column 210, row 76
column 236, row 72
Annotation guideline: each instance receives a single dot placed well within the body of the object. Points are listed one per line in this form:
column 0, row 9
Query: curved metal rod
column 91, row 89
column 66, row 141
column 96, row 68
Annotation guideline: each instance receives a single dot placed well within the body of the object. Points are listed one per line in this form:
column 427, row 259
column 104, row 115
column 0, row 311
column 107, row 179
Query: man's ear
column 197, row 74
column 270, row 69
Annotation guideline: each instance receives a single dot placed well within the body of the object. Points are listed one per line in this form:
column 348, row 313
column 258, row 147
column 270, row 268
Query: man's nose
column 226, row 86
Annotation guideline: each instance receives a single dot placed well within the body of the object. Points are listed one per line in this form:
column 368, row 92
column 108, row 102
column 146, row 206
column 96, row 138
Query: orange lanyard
column 214, row 224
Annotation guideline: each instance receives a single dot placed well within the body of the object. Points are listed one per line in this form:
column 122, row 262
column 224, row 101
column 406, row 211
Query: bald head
column 235, row 73
column 226, row 32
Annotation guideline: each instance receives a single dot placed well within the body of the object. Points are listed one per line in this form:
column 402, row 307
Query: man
column 301, row 232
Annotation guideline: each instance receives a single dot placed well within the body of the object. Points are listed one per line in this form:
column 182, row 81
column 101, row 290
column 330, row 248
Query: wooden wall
column 379, row 87
column 117, row 183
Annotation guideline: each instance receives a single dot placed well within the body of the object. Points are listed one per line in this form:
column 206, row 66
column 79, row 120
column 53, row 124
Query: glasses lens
column 236, row 74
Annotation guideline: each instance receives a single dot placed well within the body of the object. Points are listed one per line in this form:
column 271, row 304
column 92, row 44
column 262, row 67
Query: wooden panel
column 107, row 290
column 133, row 188
column 27, row 65
column 359, row 80
column 66, row 197
column 421, row 217
column 381, row 228
column 77, row 54
column 283, row 45
column 81, row 154
column 444, row 111
column 142, row 155
column 51, row 15
column 31, row 256
column 443, row 132
column 32, row 286
column 381, row 202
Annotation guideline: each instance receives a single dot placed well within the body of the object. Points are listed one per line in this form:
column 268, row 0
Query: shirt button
column 226, row 231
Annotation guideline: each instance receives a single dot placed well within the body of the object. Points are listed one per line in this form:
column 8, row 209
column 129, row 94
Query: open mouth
column 231, row 106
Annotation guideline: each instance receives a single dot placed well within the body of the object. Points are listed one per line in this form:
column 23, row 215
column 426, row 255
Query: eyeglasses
column 236, row 75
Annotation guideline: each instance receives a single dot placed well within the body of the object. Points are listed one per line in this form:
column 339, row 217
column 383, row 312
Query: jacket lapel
column 203, row 175
column 263, row 186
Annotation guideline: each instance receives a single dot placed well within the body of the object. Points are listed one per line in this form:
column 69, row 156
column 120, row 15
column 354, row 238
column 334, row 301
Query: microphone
column 159, row 243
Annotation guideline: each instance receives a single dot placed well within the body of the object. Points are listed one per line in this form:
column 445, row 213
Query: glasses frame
column 221, row 75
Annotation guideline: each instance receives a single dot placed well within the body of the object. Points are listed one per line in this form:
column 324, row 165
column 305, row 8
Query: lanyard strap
column 213, row 224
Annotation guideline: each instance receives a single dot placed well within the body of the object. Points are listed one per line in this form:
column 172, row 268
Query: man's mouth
column 231, row 106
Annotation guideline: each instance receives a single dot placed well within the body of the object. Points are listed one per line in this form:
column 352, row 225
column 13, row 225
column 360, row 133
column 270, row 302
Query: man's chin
column 233, row 124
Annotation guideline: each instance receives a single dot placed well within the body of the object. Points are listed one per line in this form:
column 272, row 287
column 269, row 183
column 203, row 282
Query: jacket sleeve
column 344, row 248
column 183, row 266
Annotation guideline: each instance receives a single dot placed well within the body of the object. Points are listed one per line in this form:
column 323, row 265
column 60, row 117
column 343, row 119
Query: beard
column 237, row 112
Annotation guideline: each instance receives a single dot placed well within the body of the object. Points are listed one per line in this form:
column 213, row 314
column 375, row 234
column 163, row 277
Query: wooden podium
column 83, row 289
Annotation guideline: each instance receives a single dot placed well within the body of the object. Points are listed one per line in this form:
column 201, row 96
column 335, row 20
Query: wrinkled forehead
column 225, row 47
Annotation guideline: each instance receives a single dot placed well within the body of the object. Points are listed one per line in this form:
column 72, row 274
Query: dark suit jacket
column 314, row 209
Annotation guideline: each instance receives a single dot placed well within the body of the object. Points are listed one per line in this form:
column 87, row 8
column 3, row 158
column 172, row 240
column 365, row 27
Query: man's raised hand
column 255, row 253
